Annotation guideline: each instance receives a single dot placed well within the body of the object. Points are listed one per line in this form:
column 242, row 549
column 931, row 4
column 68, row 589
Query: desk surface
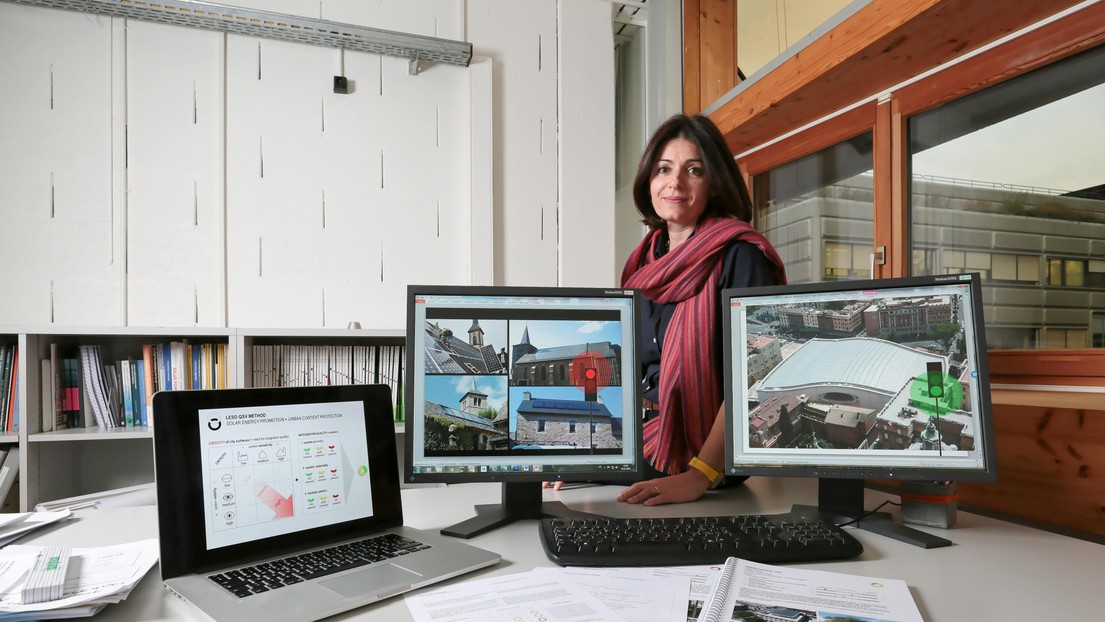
column 994, row 571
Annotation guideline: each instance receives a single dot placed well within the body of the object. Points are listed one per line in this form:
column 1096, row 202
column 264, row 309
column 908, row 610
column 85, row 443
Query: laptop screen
column 248, row 473
column 279, row 469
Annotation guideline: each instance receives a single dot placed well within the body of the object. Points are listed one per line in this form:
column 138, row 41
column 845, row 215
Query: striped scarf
column 690, row 381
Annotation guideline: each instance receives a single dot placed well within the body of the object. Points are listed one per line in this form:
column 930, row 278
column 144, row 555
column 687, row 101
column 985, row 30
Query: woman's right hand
column 681, row 488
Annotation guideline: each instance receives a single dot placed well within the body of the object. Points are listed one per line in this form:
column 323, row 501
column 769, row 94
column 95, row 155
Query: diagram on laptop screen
column 279, row 469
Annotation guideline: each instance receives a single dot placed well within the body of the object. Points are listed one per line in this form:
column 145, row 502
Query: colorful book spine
column 126, row 376
column 142, row 379
column 148, row 372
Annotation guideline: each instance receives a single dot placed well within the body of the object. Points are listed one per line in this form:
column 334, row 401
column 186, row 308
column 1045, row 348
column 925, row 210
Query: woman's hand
column 681, row 488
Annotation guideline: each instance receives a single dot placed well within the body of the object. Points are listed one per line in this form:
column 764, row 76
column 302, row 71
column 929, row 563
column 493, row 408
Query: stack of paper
column 96, row 577
column 17, row 525
column 737, row 590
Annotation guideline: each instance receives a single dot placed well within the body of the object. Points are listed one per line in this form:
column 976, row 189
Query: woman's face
column 679, row 188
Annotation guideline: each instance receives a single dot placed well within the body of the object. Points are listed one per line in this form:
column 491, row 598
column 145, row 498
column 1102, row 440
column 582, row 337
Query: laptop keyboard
column 278, row 573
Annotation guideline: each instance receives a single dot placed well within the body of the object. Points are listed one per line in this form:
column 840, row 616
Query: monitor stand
column 842, row 501
column 521, row 500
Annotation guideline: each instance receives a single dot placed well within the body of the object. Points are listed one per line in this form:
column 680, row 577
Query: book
column 9, row 471
column 12, row 416
column 148, row 372
column 48, row 399
column 92, row 387
column 127, row 389
column 196, row 373
column 5, row 381
column 165, row 369
column 142, row 396
column 71, row 387
column 177, row 365
column 46, row 579
column 61, row 414
column 747, row 589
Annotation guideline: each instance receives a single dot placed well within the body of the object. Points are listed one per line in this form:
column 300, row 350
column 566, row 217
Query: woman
column 692, row 197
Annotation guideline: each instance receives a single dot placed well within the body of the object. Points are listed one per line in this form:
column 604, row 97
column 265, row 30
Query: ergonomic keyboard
column 765, row 538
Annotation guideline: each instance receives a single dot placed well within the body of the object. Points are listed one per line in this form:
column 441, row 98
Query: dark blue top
column 743, row 265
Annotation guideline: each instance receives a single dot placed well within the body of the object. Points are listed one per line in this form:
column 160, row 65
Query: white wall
column 155, row 175
column 650, row 89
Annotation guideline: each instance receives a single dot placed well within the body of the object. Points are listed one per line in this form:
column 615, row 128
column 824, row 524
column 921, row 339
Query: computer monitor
column 521, row 386
column 850, row 380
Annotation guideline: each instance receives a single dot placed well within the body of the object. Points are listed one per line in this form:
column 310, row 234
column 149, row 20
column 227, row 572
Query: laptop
column 255, row 485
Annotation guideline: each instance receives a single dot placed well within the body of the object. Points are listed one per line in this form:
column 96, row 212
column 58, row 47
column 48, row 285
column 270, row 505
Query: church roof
column 434, row 409
column 558, row 353
column 448, row 354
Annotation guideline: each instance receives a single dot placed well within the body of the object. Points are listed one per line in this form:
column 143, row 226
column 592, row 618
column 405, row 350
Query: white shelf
column 79, row 461
column 91, row 434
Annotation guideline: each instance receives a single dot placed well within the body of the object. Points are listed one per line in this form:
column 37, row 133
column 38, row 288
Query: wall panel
column 59, row 247
column 521, row 39
column 336, row 202
column 174, row 202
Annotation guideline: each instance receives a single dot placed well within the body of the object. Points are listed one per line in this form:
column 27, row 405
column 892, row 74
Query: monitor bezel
column 631, row 423
column 988, row 470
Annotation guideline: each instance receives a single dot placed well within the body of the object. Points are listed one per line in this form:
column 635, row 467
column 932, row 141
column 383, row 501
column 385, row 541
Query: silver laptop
column 284, row 504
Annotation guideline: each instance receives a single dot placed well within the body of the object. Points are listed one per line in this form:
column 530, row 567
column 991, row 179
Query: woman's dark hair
column 728, row 194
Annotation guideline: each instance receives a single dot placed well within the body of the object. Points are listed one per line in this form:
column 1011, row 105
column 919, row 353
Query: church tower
column 475, row 334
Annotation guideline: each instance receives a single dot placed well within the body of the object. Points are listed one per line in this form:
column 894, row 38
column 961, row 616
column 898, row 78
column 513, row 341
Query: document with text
column 792, row 593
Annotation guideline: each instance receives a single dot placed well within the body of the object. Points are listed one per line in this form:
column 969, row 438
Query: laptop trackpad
column 383, row 580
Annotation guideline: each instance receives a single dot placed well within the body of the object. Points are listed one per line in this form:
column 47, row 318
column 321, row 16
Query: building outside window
column 1008, row 182
column 818, row 212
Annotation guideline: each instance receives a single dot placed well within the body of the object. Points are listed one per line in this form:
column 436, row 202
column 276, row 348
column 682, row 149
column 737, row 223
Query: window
column 845, row 261
column 1076, row 273
column 818, row 212
column 1002, row 184
column 572, row 427
column 540, row 425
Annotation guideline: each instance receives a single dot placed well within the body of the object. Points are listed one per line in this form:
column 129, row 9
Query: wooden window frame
column 759, row 122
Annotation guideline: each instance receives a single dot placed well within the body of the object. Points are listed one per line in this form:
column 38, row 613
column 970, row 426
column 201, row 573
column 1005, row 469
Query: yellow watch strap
column 712, row 476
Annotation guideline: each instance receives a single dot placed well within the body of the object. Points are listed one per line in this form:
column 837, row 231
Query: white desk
column 994, row 571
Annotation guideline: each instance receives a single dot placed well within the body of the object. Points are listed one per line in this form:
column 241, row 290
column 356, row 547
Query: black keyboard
column 765, row 538
column 271, row 575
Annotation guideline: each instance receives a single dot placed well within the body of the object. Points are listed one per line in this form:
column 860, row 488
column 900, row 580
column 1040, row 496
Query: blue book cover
column 197, row 367
column 166, row 367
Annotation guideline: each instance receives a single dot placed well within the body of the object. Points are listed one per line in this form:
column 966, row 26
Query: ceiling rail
column 210, row 16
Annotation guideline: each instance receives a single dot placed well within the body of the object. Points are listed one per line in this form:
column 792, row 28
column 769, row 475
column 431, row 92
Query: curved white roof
column 875, row 364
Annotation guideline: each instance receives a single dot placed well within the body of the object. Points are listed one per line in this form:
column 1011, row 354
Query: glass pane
column 1005, row 268
column 1009, row 182
column 1028, row 269
column 818, row 212
column 765, row 30
column 1073, row 274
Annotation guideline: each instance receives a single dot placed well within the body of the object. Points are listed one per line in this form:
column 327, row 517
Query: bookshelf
column 61, row 463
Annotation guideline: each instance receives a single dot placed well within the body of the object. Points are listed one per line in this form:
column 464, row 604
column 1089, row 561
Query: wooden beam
column 848, row 125
column 1048, row 367
column 692, row 58
column 881, row 45
column 710, row 51
column 899, row 257
column 882, row 186
column 1045, row 45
